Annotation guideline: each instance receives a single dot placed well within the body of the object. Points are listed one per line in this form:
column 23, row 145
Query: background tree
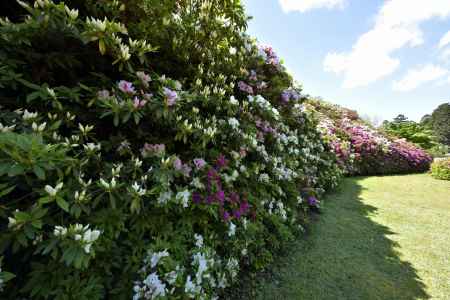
column 440, row 122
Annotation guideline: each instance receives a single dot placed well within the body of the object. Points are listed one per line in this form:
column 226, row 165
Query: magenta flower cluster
column 230, row 204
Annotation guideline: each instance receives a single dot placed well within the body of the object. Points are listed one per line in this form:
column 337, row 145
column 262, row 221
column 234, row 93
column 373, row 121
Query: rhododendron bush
column 147, row 162
column 363, row 150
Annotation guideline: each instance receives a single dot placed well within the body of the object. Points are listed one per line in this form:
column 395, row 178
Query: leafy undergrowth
column 378, row 238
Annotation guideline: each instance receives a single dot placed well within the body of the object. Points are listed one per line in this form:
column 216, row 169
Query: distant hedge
column 364, row 150
column 440, row 169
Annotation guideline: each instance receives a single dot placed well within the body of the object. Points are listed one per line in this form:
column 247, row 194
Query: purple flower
column 285, row 96
column 199, row 163
column 196, row 198
column 126, row 87
column 312, row 200
column 186, row 170
column 220, row 196
column 245, row 87
column 177, row 164
column 210, row 199
column 221, row 161
column 226, row 216
column 171, row 96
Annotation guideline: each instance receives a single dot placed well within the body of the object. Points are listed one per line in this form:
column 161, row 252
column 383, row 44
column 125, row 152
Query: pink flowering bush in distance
column 363, row 150
column 120, row 182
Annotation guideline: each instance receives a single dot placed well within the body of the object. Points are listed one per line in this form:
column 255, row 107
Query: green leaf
column 6, row 276
column 44, row 200
column 7, row 191
column 4, row 168
column 62, row 203
column 40, row 173
column 16, row 170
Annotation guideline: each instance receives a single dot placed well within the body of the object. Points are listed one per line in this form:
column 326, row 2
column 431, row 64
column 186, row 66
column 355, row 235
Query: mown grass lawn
column 378, row 238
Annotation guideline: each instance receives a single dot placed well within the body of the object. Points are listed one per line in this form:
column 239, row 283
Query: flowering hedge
column 363, row 150
column 118, row 181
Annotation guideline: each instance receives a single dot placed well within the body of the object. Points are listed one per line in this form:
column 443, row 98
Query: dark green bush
column 118, row 181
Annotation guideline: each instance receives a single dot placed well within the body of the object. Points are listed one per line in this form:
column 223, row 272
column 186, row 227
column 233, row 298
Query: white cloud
column 305, row 5
column 445, row 40
column 416, row 77
column 397, row 25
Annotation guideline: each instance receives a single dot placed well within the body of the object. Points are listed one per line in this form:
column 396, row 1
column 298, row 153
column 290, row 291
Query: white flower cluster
column 262, row 103
column 277, row 207
column 83, row 234
column 154, row 287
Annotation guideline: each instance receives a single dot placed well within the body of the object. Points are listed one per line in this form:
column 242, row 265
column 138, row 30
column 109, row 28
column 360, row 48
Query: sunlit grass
column 378, row 238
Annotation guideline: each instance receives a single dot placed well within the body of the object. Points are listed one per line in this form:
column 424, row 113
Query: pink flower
column 144, row 78
column 171, row 96
column 177, row 164
column 138, row 103
column 126, row 87
column 199, row 163
column 153, row 149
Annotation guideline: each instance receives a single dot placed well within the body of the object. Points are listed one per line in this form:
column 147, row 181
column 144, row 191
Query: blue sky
column 379, row 57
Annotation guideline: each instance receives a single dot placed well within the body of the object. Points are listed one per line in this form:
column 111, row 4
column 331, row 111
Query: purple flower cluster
column 271, row 57
column 245, row 87
column 288, row 95
column 230, row 205
column 265, row 127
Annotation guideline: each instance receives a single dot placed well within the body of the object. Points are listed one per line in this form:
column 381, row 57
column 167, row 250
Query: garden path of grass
column 377, row 238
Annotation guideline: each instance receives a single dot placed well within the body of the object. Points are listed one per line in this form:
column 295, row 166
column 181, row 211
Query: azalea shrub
column 125, row 176
column 364, row 150
column 440, row 168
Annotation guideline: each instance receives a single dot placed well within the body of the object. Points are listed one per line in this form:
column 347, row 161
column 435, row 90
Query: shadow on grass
column 344, row 255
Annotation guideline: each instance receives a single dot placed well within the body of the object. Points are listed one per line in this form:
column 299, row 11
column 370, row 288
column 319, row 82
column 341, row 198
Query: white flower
column 156, row 257
column 72, row 13
column 60, row 231
column 11, row 222
column 198, row 240
column 138, row 189
column 233, row 50
column 164, row 197
column 232, row 229
column 92, row 147
column 97, row 24
column 51, row 92
column 233, row 101
column 184, row 197
column 190, row 288
column 29, row 115
column 137, row 163
column 39, row 128
column 6, row 128
column 53, row 191
column 85, row 129
column 155, row 286
column 233, row 122
column 124, row 52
